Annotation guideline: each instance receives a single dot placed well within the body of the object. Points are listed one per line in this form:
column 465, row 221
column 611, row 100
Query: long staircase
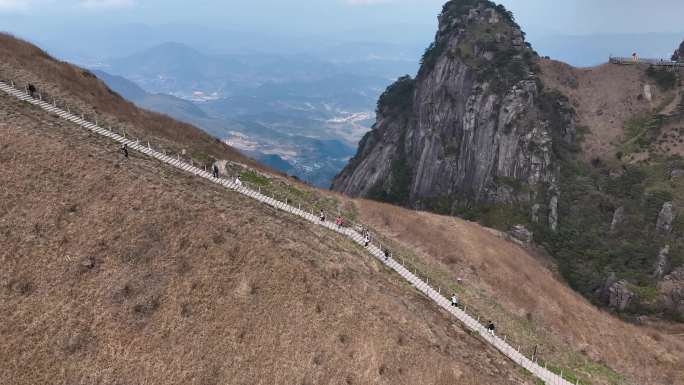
column 471, row 323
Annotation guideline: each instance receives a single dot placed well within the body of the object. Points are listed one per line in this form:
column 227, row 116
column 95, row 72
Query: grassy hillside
column 123, row 271
column 517, row 288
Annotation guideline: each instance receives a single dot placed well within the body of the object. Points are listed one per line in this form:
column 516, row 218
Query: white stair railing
column 470, row 322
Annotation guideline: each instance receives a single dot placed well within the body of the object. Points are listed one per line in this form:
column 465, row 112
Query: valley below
column 303, row 116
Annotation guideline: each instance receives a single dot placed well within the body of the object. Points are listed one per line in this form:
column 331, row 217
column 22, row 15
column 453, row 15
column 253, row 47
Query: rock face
column 615, row 294
column 618, row 217
column 473, row 127
column 662, row 265
column 676, row 173
column 679, row 53
column 672, row 293
column 521, row 233
column 666, row 217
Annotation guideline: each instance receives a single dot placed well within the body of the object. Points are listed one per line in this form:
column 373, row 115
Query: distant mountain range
column 300, row 115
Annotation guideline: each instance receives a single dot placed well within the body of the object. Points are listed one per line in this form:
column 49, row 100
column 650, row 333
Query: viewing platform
column 638, row 60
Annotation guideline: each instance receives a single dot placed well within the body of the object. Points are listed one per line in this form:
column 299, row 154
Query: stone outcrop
column 469, row 129
column 676, row 173
column 679, row 53
column 671, row 290
column 615, row 294
column 662, row 265
column 522, row 234
column 666, row 218
column 618, row 217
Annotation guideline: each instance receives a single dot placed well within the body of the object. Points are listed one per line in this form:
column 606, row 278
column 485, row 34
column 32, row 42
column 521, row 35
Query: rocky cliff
column 679, row 53
column 474, row 126
column 487, row 131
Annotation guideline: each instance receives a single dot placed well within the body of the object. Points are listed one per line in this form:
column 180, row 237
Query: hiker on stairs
column 238, row 182
column 388, row 253
column 31, row 90
column 491, row 328
column 215, row 170
column 321, row 216
column 366, row 240
column 124, row 150
column 454, row 300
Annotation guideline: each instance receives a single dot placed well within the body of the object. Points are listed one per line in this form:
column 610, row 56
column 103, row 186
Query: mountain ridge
column 489, row 131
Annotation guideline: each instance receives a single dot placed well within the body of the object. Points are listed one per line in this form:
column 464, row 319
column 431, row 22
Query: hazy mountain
column 309, row 158
column 176, row 107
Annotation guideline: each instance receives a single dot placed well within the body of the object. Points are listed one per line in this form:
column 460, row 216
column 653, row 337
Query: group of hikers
column 339, row 221
column 214, row 169
column 455, row 303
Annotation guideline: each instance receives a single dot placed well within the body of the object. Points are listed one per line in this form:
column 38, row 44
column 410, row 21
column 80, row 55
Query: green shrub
column 430, row 56
column 253, row 177
column 664, row 78
column 398, row 96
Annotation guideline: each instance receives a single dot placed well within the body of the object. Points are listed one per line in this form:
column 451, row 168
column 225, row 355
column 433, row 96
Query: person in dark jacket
column 491, row 328
column 215, row 170
column 31, row 89
column 124, row 150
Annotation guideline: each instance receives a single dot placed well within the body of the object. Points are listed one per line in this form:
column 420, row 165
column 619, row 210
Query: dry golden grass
column 604, row 97
column 127, row 272
column 506, row 283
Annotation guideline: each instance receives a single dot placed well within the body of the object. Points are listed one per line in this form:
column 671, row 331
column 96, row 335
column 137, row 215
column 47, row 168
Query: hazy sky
column 397, row 21
column 547, row 16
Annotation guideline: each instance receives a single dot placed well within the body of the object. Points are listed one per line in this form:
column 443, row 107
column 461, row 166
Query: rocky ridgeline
column 679, row 53
column 473, row 127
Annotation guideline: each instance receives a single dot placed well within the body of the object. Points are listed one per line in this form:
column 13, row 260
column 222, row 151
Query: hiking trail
column 471, row 323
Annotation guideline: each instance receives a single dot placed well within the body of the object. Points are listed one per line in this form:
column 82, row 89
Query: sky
column 410, row 22
column 543, row 16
